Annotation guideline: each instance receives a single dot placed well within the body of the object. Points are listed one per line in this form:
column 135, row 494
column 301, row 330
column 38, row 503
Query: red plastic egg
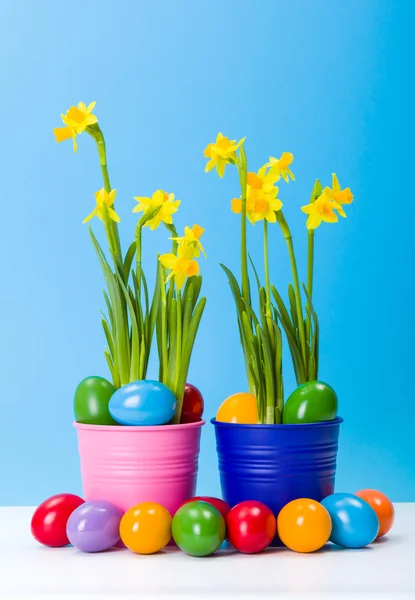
column 50, row 518
column 192, row 407
column 222, row 506
column 251, row 526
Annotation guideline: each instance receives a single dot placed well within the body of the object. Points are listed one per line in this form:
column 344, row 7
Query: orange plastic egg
column 382, row 506
column 146, row 528
column 304, row 525
column 239, row 408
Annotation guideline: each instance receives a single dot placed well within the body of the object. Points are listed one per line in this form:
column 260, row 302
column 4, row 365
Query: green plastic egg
column 91, row 401
column 311, row 402
column 198, row 528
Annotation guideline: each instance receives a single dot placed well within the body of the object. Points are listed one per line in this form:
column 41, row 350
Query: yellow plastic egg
column 239, row 408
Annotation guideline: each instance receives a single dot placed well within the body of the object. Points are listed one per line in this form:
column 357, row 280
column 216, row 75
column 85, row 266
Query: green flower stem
column 243, row 172
column 288, row 238
column 310, row 272
column 266, row 269
column 111, row 226
column 179, row 325
column 138, row 232
column 164, row 358
column 310, row 266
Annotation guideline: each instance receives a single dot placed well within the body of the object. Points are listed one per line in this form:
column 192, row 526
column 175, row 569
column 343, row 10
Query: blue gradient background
column 329, row 81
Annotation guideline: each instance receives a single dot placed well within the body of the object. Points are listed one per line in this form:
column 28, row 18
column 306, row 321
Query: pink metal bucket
column 127, row 465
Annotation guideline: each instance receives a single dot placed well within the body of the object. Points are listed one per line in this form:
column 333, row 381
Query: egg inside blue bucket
column 144, row 402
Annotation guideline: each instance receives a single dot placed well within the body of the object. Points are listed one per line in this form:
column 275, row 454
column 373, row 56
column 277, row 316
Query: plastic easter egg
column 311, row 402
column 146, row 528
column 304, row 525
column 94, row 526
column 222, row 506
column 251, row 526
column 91, row 401
column 239, row 408
column 198, row 528
column 144, row 402
column 50, row 518
column 354, row 522
column 192, row 407
column 382, row 506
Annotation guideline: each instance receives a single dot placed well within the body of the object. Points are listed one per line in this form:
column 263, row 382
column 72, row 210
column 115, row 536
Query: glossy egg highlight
column 304, row 525
column 91, row 401
column 146, row 528
column 193, row 405
column 311, row 402
column 239, row 408
column 49, row 520
column 144, row 402
column 382, row 506
column 94, row 526
column 198, row 528
column 354, row 522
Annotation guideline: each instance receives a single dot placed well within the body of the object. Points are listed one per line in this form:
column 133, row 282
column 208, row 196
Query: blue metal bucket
column 277, row 463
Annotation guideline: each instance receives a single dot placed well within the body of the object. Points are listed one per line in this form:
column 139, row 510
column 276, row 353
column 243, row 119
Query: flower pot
column 276, row 463
column 127, row 465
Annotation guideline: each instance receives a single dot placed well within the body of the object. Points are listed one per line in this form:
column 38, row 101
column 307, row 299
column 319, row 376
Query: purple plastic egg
column 94, row 526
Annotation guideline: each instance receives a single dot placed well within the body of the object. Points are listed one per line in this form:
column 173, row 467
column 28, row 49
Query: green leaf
column 172, row 331
column 113, row 370
column 258, row 283
column 283, row 312
column 316, row 191
column 295, row 351
column 188, row 310
column 236, row 290
column 293, row 309
column 109, row 337
column 196, row 283
column 155, row 305
column 135, row 299
column 109, row 309
column 128, row 260
column 268, row 369
column 120, row 328
column 187, row 346
column 145, row 287
column 316, row 333
column 135, row 344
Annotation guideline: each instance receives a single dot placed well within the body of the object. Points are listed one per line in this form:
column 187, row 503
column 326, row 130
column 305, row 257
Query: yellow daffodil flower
column 259, row 205
column 192, row 238
column 168, row 206
column 321, row 210
column 76, row 120
column 280, row 167
column 221, row 153
column 182, row 266
column 102, row 199
column 338, row 195
column 263, row 180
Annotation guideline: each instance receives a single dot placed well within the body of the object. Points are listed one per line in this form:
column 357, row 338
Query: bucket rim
column 275, row 426
column 136, row 428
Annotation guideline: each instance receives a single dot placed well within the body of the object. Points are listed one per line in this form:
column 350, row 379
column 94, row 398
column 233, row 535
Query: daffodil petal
column 193, row 268
column 313, row 221
column 168, row 260
column 113, row 215
column 180, row 278
column 89, row 217
column 62, row 133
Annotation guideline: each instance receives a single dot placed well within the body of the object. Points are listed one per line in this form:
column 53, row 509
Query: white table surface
column 28, row 570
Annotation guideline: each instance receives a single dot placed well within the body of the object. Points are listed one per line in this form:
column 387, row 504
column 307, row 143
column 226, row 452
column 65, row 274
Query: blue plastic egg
column 144, row 402
column 354, row 522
